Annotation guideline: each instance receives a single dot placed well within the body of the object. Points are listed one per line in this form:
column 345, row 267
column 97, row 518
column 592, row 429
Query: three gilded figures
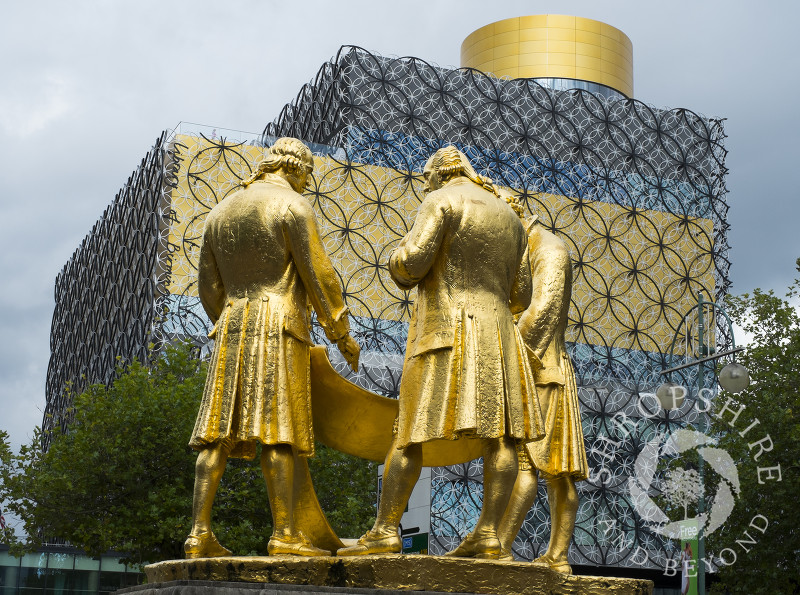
column 486, row 371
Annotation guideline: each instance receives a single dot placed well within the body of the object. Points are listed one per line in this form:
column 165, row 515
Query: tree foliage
column 773, row 361
column 121, row 478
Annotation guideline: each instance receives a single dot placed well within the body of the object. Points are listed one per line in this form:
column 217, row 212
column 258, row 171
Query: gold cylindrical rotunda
column 553, row 47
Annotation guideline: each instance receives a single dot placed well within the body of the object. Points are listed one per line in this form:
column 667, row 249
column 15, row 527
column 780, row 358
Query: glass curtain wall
column 63, row 571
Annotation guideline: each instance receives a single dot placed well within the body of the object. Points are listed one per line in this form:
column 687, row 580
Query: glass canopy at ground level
column 63, row 571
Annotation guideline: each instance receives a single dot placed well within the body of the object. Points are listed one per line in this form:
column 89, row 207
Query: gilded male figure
column 561, row 456
column 464, row 374
column 261, row 262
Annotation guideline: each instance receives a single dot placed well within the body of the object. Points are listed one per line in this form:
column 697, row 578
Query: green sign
column 688, row 561
column 415, row 544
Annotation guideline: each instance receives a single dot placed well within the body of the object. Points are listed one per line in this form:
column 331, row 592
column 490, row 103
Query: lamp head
column 670, row 395
column 734, row 378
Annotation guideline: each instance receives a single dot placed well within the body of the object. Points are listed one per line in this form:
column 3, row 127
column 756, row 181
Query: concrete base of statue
column 389, row 574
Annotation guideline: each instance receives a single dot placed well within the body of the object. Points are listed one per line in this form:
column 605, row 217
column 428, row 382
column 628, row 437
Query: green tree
column 347, row 489
column 773, row 361
column 121, row 478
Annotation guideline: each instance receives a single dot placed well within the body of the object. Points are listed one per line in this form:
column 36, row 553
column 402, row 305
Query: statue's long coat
column 261, row 262
column 542, row 327
column 465, row 373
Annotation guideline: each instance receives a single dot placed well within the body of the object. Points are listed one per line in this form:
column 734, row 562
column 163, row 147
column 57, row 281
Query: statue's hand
column 350, row 350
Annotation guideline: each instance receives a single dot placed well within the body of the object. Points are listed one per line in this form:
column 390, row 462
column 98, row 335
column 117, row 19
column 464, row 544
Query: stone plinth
column 381, row 574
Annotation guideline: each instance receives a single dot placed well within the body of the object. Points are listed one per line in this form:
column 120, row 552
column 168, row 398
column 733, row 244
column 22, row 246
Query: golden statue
column 465, row 374
column 561, row 456
column 261, row 262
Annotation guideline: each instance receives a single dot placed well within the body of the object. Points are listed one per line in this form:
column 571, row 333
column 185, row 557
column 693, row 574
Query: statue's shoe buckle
column 506, row 556
column 298, row 545
column 372, row 543
column 204, row 545
column 478, row 547
column 560, row 566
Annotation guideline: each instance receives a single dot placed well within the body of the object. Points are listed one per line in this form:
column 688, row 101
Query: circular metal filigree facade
column 111, row 291
column 637, row 193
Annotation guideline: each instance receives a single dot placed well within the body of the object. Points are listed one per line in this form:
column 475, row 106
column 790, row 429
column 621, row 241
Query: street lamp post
column 733, row 378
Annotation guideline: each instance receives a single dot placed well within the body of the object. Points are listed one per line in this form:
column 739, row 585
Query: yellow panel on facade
column 588, row 63
column 560, row 21
column 538, row 34
column 612, row 81
column 533, row 59
column 481, row 45
column 535, row 21
column 611, row 43
column 588, row 25
column 534, row 47
column 560, row 72
column 509, row 49
column 506, row 72
column 619, row 288
column 561, row 47
column 584, row 74
column 485, row 57
column 607, row 67
column 553, row 36
column 501, row 27
column 501, row 39
column 587, row 37
column 609, row 31
column 506, row 63
column 561, row 59
column 558, row 34
column 588, row 49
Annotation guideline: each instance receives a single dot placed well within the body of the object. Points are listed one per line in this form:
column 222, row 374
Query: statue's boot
column 204, row 545
column 561, row 566
column 478, row 547
column 373, row 543
column 297, row 545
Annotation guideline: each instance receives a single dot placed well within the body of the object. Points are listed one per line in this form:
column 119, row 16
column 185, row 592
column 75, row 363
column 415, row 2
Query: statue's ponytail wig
column 449, row 162
column 286, row 152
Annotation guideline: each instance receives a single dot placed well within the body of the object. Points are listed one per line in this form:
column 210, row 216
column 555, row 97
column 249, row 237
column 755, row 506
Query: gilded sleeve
column 551, row 270
column 209, row 281
column 522, row 289
column 316, row 270
column 414, row 256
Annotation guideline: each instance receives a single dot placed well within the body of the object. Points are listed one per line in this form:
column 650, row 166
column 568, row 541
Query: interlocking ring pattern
column 638, row 194
column 111, row 291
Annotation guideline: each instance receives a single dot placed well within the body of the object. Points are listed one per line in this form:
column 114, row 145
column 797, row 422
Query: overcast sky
column 86, row 88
